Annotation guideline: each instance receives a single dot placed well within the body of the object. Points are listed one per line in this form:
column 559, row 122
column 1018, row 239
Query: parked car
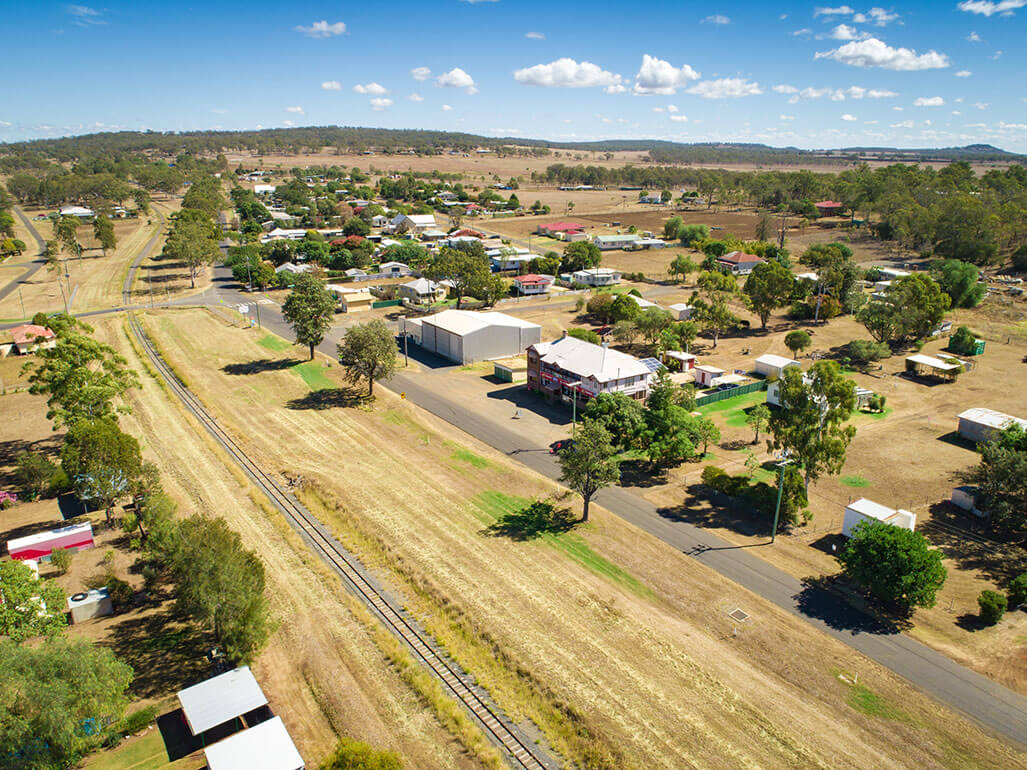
column 558, row 446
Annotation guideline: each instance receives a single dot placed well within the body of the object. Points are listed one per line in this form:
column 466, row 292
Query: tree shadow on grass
column 830, row 600
column 330, row 398
column 263, row 365
column 533, row 521
column 164, row 652
column 964, row 538
column 705, row 507
column 641, row 473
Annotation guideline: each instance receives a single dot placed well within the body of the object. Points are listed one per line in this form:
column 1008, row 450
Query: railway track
column 520, row 751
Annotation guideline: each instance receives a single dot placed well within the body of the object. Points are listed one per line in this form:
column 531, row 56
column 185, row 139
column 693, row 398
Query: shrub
column 121, row 593
column 60, row 558
column 584, row 334
column 712, row 476
column 357, row 755
column 865, row 351
column 60, row 483
column 993, row 606
column 800, row 311
column 1020, row 259
column 33, row 474
column 1018, row 591
column 7, row 500
column 876, row 403
column 137, row 720
column 962, row 341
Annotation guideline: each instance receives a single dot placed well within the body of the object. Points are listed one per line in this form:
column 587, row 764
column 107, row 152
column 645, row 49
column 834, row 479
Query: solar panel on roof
column 652, row 364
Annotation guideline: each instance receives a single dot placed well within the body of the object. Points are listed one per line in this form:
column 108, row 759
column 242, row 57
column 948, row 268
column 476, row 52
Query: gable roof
column 422, row 286
column 532, row 278
column 221, row 698
column 266, row 746
column 588, row 360
column 739, row 257
column 29, row 333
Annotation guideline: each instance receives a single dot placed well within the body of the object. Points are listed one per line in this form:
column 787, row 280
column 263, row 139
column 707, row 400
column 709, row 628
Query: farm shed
column 90, row 604
column 891, row 273
column 771, row 366
column 465, row 336
column 267, row 746
column 411, row 327
column 867, row 510
column 929, row 366
column 76, row 537
column 681, row 311
column 223, row 698
column 966, row 497
column 706, row 374
column 980, row 424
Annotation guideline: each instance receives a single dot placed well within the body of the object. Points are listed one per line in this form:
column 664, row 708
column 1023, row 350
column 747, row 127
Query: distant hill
column 421, row 142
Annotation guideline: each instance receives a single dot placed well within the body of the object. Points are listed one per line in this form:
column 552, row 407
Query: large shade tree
column 589, row 464
column 101, row 461
column 368, row 351
column 309, row 309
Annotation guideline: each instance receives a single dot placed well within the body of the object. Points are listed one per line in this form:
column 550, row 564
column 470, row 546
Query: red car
column 558, row 446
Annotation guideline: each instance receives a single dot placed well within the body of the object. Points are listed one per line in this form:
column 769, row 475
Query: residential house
column 77, row 211
column 413, row 223
column 379, row 220
column 574, row 370
column 738, row 262
column 26, row 338
column 563, row 230
column 596, row 276
column 289, row 267
column 263, row 189
column 532, row 283
column 608, row 242
column 829, row 208
column 422, row 291
column 394, row 268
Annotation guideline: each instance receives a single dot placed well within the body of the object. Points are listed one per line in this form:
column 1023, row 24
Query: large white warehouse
column 465, row 336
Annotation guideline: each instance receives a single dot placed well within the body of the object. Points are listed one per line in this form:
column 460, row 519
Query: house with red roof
column 532, row 283
column 564, row 231
column 26, row 338
column 738, row 262
column 829, row 208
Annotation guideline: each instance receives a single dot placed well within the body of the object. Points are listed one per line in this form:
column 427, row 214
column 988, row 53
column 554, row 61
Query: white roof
column 267, row 746
column 217, row 700
column 710, row 369
column 400, row 265
column 467, row 321
column 362, row 295
column 642, row 302
column 421, row 220
column 679, row 355
column 19, row 543
column 597, row 271
column 870, row 508
column 991, row 418
column 680, row 306
column 728, row 379
column 422, row 285
column 779, row 362
column 934, row 363
column 586, row 359
column 76, row 211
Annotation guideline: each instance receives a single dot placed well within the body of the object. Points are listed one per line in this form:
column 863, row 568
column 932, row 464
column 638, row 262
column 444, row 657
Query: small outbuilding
column 772, row 367
column 867, row 510
column 706, row 374
column 681, row 311
column 687, row 360
column 979, row 424
column 90, row 604
column 920, row 365
column 510, row 369
column 266, row 746
column 76, row 537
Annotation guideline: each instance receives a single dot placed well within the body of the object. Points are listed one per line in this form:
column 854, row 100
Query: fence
column 387, row 303
column 720, row 395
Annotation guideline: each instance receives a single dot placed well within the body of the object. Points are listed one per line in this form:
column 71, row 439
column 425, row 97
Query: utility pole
column 22, row 301
column 406, row 352
column 780, row 490
column 574, row 412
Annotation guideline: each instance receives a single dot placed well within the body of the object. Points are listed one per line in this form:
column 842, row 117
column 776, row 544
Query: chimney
column 606, row 346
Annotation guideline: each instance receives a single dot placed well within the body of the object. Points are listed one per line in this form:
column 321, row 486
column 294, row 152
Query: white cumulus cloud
column 671, row 108
column 322, row 29
column 297, row 110
column 849, row 118
column 566, row 73
column 841, row 10
column 902, row 124
column 420, row 73
column 963, row 74
column 657, row 76
column 380, row 103
column 929, row 101
column 717, row 18
column 332, row 85
column 375, row 89
column 876, row 53
column 876, row 16
column 679, row 118
column 785, row 89
column 989, row 8
column 535, row 36
column 415, row 98
column 457, row 78
column 786, row 117
column 845, row 32
column 446, row 108
column 725, row 88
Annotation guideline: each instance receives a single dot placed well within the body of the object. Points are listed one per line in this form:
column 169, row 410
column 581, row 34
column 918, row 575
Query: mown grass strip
column 313, row 374
column 856, row 481
column 271, row 342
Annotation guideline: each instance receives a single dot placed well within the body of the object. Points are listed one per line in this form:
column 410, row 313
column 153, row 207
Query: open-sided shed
column 928, row 366
column 221, row 699
column 267, row 746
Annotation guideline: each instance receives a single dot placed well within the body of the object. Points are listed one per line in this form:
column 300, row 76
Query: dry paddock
column 652, row 667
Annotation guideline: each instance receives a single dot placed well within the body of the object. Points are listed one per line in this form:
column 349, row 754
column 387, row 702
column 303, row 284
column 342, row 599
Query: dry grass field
column 610, row 641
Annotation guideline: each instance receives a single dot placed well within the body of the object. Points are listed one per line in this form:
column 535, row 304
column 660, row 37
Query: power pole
column 780, row 491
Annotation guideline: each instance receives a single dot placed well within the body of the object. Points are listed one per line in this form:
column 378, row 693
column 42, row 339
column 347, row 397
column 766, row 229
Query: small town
column 338, row 447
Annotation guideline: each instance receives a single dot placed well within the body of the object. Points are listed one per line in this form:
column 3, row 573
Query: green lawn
column 466, row 456
column 492, row 505
column 863, row 699
column 733, row 409
column 145, row 753
column 271, row 342
column 313, row 373
column 875, row 415
column 855, row 481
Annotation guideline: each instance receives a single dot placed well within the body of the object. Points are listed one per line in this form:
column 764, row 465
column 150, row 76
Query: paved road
column 990, row 704
column 32, row 267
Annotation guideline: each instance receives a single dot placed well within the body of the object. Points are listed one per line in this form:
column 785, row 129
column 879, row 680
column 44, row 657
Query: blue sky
column 812, row 75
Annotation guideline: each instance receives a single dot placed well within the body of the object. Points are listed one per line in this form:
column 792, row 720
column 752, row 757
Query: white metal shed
column 771, row 366
column 867, row 510
column 267, row 746
column 221, row 699
column 980, row 424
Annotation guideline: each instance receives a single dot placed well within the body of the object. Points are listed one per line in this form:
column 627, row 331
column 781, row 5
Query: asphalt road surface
column 32, row 267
